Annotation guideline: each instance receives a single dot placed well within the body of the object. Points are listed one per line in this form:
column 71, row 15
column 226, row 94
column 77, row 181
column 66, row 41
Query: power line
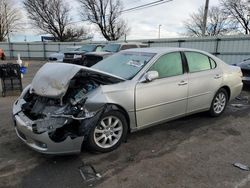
column 156, row 4
column 139, row 7
column 147, row 5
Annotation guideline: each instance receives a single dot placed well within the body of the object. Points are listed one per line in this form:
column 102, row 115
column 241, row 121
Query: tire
column 108, row 133
column 219, row 103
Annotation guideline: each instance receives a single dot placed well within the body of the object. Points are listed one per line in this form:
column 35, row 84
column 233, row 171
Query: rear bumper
column 236, row 90
column 42, row 142
column 246, row 80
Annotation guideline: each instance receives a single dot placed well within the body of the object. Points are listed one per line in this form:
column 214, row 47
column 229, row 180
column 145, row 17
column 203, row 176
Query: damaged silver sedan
column 67, row 106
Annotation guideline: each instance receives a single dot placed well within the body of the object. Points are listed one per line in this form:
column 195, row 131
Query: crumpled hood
column 52, row 79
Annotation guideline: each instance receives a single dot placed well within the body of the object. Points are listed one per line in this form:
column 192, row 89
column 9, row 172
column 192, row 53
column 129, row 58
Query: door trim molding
column 161, row 104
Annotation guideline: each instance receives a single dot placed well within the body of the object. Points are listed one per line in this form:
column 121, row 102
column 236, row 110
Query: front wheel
column 108, row 134
column 219, row 103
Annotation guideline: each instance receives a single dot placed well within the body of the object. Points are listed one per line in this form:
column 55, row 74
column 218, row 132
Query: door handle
column 182, row 83
column 217, row 76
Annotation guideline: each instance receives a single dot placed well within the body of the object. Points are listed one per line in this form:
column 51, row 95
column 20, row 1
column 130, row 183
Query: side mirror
column 151, row 75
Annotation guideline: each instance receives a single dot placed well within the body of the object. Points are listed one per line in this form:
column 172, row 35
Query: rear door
column 204, row 79
column 165, row 97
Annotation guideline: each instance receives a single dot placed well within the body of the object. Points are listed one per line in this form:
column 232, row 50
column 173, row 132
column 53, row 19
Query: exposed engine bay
column 66, row 116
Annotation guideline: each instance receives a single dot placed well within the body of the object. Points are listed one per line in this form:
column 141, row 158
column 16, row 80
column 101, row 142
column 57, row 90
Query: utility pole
column 159, row 31
column 205, row 18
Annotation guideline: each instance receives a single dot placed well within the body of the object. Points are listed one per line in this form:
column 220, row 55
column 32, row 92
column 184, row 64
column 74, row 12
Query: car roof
column 125, row 43
column 160, row 50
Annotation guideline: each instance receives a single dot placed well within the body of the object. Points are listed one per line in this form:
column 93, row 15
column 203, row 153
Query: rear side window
column 168, row 65
column 213, row 64
column 197, row 62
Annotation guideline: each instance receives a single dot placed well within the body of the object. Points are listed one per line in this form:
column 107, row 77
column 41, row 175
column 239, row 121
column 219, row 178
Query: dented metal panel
column 51, row 81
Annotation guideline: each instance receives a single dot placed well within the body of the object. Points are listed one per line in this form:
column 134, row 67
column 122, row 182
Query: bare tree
column 53, row 17
column 239, row 12
column 217, row 23
column 9, row 18
column 106, row 15
column 75, row 34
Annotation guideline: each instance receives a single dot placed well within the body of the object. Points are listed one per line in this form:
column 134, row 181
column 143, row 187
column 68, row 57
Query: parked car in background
column 2, row 54
column 92, row 58
column 245, row 68
column 60, row 55
column 69, row 105
column 77, row 56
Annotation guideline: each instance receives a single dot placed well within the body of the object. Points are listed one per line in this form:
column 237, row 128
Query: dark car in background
column 245, row 68
column 77, row 56
column 58, row 56
column 92, row 58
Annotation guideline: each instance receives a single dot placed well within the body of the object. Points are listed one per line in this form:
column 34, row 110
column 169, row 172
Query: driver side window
column 168, row 65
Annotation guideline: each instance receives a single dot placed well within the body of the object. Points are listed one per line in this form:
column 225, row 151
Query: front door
column 165, row 97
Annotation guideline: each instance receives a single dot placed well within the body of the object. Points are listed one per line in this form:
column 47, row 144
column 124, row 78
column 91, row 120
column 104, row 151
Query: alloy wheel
column 108, row 132
column 219, row 103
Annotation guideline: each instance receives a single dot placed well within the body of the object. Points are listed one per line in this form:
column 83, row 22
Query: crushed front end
column 57, row 123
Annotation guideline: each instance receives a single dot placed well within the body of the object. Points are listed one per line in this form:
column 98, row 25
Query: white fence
column 231, row 49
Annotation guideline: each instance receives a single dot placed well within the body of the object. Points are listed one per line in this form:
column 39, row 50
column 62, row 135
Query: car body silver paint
column 143, row 107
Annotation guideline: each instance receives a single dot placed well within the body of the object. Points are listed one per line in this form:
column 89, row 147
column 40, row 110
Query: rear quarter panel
column 232, row 78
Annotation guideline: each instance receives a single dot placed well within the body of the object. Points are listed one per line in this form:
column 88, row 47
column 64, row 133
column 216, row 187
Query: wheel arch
column 227, row 88
column 123, row 111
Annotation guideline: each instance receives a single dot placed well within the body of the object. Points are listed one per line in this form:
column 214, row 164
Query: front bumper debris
column 42, row 142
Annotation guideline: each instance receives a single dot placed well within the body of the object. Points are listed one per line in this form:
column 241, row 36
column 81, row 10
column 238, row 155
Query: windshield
column 124, row 64
column 87, row 48
column 111, row 48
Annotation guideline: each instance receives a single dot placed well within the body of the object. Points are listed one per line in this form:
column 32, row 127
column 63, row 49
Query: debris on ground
column 241, row 166
column 89, row 173
column 242, row 98
column 238, row 105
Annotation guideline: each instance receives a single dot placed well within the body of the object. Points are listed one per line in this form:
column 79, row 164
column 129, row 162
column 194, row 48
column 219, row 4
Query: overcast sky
column 144, row 23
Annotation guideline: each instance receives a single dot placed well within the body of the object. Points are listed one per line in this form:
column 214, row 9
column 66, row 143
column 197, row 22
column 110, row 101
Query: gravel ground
column 195, row 151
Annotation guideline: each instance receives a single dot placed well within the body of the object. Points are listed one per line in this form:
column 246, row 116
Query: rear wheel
column 109, row 133
column 219, row 103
